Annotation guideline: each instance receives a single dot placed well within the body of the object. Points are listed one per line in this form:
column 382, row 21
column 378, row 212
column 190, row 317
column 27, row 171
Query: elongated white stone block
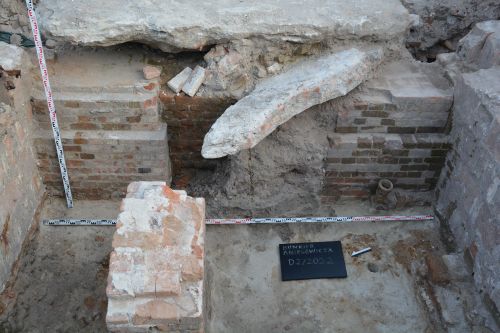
column 194, row 81
column 277, row 99
column 178, row 81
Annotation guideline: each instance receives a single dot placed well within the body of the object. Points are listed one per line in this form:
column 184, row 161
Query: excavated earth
column 395, row 288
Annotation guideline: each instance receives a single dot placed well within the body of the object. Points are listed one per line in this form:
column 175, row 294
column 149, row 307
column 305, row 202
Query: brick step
column 138, row 86
column 84, row 111
column 405, row 98
column 102, row 163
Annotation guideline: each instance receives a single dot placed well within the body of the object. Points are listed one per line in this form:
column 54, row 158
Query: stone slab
column 277, row 99
column 194, row 81
column 174, row 26
column 178, row 81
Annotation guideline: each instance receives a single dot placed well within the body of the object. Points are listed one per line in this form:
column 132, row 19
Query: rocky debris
column 178, row 81
column 192, row 25
column 156, row 267
column 445, row 21
column 151, row 72
column 481, row 47
column 194, row 81
column 277, row 99
column 14, row 18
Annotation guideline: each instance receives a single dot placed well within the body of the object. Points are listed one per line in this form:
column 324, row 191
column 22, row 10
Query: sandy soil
column 61, row 284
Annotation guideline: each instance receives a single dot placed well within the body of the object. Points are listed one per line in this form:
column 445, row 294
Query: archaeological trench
column 175, row 113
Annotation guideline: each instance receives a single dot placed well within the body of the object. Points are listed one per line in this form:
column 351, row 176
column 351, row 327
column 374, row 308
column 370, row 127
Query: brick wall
column 189, row 119
column 21, row 189
column 356, row 162
column 468, row 202
column 111, row 136
column 393, row 126
column 156, row 269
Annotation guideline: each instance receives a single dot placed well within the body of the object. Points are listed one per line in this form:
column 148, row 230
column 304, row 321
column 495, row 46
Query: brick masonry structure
column 112, row 134
column 468, row 202
column 356, row 162
column 21, row 189
column 189, row 119
column 155, row 279
column 393, row 127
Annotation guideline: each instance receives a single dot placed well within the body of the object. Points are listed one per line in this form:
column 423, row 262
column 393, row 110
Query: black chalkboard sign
column 316, row 260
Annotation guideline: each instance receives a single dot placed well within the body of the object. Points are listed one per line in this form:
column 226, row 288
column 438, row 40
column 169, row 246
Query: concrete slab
column 191, row 24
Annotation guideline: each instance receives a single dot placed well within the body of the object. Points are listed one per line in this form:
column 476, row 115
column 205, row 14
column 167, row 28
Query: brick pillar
column 156, row 268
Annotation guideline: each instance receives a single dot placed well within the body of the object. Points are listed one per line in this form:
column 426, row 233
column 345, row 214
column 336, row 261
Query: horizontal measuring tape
column 270, row 220
column 50, row 102
column 83, row 222
column 338, row 219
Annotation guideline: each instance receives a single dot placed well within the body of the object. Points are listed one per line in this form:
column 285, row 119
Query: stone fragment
column 178, row 81
column 481, row 46
column 194, row 81
column 274, row 68
column 151, row 72
column 11, row 58
column 437, row 270
column 16, row 39
column 156, row 268
column 159, row 24
column 50, row 43
column 277, row 99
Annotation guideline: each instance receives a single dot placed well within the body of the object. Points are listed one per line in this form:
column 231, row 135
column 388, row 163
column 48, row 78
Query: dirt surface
column 390, row 289
column 396, row 287
column 62, row 279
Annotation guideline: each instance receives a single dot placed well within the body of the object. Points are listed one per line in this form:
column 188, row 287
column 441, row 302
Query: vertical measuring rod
column 50, row 102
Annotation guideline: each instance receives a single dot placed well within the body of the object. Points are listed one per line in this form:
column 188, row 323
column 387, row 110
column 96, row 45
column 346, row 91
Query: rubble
column 444, row 22
column 481, row 47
